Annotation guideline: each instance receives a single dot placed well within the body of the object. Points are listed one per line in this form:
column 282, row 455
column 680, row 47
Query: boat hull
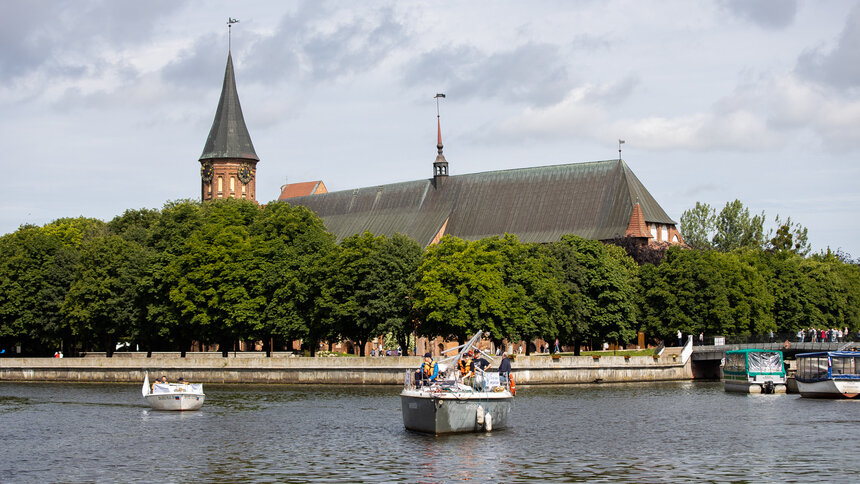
column 740, row 386
column 175, row 401
column 829, row 389
column 453, row 413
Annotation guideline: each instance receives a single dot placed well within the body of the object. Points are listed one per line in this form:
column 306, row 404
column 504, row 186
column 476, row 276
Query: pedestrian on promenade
column 680, row 337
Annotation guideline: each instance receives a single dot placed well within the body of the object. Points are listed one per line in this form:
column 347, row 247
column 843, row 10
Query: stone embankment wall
column 283, row 368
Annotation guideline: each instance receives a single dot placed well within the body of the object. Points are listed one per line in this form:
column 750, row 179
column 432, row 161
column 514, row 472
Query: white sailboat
column 173, row 396
column 448, row 405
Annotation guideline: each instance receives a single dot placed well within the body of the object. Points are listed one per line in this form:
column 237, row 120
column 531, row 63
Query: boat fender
column 488, row 422
column 480, row 415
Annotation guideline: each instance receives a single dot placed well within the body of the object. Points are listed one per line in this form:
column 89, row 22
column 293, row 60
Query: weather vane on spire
column 230, row 22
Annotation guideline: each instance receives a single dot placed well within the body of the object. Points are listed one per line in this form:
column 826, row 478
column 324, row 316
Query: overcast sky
column 106, row 105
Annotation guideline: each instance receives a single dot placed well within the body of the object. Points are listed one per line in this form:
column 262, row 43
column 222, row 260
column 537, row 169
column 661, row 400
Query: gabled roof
column 594, row 200
column 291, row 190
column 229, row 136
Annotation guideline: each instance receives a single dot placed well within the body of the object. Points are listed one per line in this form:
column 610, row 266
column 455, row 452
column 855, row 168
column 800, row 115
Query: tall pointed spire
column 229, row 137
column 440, row 166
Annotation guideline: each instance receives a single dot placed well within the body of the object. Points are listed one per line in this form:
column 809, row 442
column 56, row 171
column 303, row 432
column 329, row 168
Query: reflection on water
column 627, row 432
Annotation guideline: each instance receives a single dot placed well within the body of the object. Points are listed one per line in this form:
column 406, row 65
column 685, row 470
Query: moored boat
column 828, row 374
column 448, row 405
column 754, row 371
column 173, row 396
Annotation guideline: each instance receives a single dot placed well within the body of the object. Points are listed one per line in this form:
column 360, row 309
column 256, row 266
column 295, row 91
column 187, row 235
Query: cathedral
column 598, row 200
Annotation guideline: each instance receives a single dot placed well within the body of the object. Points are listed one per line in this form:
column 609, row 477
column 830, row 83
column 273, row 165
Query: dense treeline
column 230, row 270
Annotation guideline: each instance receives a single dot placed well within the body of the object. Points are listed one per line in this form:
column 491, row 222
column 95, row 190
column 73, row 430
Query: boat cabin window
column 813, row 367
column 765, row 362
column 844, row 365
column 736, row 362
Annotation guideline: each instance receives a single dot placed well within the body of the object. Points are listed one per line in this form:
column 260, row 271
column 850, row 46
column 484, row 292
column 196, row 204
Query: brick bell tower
column 228, row 165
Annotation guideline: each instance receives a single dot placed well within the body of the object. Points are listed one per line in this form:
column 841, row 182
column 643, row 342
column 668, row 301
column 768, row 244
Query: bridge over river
column 706, row 359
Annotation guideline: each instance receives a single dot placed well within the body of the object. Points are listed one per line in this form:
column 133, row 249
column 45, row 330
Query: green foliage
column 229, row 269
column 608, row 284
column 706, row 291
column 461, row 290
column 294, row 247
column 394, row 272
column 736, row 229
column 73, row 231
column 697, row 225
column 216, row 283
column 789, row 237
column 35, row 272
column 101, row 303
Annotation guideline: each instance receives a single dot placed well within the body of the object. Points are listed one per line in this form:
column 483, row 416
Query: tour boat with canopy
column 450, row 405
column 754, row 371
column 828, row 374
column 173, row 396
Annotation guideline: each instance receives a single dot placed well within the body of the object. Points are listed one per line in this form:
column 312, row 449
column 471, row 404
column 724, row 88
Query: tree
column 790, row 237
column 35, row 270
column 353, row 292
column 736, row 229
column 461, row 290
column 608, row 289
column 705, row 291
column 697, row 225
column 394, row 272
column 294, row 247
column 571, row 276
column 215, row 282
column 101, row 302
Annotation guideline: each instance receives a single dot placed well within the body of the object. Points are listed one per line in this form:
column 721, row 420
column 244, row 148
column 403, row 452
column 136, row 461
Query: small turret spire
column 440, row 166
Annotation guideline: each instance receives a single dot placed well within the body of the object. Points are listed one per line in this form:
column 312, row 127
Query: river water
column 640, row 432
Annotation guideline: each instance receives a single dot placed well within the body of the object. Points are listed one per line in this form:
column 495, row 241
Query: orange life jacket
column 513, row 385
column 465, row 365
column 427, row 368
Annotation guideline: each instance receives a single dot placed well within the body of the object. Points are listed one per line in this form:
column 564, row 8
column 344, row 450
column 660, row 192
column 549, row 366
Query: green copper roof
column 593, row 200
column 229, row 136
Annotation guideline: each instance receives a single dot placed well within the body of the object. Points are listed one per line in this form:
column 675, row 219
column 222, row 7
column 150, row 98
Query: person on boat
column 163, row 379
column 465, row 365
column 504, row 369
column 479, row 364
column 428, row 371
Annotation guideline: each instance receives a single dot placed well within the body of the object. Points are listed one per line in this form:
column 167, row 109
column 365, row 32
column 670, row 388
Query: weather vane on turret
column 230, row 22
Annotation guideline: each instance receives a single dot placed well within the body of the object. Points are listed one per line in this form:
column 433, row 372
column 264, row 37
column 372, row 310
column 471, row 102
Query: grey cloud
column 839, row 67
column 616, row 92
column 533, row 73
column 201, row 65
column 36, row 34
column 300, row 49
column 769, row 14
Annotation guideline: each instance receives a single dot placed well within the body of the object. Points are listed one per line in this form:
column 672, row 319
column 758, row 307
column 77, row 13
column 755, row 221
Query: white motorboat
column 829, row 374
column 173, row 396
column 451, row 406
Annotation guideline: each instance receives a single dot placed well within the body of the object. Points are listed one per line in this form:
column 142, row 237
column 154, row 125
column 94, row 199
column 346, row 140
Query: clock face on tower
column 245, row 173
column 207, row 171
